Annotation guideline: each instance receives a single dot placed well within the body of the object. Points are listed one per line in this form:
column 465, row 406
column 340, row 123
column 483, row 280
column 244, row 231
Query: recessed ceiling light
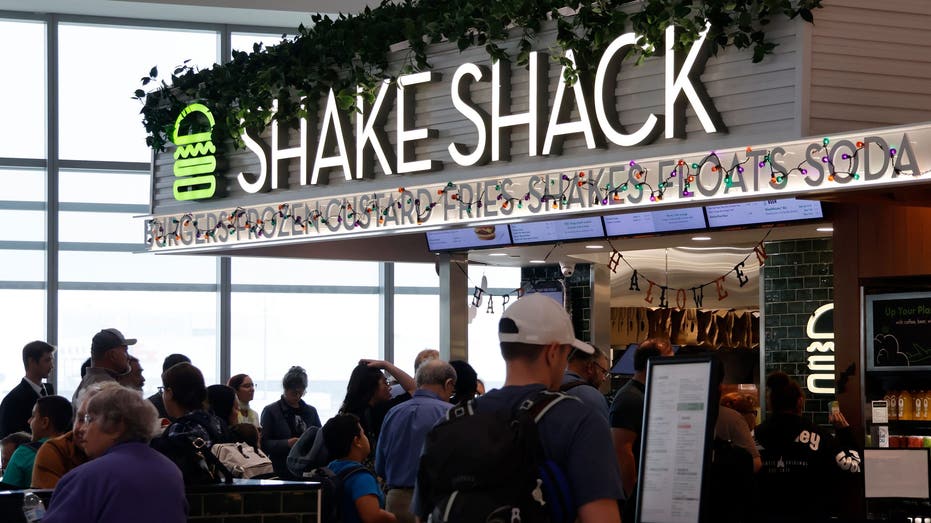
column 825, row 229
column 594, row 246
column 701, row 238
column 498, row 254
column 537, row 261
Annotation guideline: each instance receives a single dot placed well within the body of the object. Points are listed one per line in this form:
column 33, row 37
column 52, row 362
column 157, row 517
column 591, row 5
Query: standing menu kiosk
column 678, row 428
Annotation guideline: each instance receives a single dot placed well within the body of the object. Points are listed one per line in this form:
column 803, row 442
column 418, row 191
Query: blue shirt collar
column 426, row 393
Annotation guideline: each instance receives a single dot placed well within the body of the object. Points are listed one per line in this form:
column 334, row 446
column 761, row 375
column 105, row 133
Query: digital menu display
column 470, row 238
column 557, row 230
column 654, row 221
column 767, row 211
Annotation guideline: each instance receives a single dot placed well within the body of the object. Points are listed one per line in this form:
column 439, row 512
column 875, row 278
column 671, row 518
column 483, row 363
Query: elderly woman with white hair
column 125, row 480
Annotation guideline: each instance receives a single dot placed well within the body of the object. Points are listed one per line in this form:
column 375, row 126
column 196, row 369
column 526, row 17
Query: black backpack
column 489, row 466
column 332, row 491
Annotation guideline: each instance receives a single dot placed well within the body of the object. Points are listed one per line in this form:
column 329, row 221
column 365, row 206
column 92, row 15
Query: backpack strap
column 461, row 410
column 211, row 460
column 344, row 474
column 541, row 403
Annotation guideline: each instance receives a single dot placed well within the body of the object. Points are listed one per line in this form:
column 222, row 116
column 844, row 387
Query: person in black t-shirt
column 803, row 464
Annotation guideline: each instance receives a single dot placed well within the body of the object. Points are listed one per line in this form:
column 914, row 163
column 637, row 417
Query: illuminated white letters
column 372, row 131
column 462, row 101
column 583, row 125
column 821, row 365
column 405, row 115
column 278, row 154
column 501, row 102
column 259, row 181
column 333, row 120
column 605, row 84
column 675, row 110
column 355, row 149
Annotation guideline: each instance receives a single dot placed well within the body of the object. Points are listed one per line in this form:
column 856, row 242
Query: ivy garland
column 353, row 50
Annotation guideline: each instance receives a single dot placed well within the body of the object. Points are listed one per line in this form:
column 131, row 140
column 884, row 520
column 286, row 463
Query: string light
column 162, row 230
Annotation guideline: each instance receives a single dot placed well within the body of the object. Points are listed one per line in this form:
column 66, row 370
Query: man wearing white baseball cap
column 536, row 336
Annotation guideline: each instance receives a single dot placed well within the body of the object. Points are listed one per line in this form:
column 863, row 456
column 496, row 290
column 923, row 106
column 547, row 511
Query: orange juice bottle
column 924, row 405
column 906, row 405
column 892, row 403
column 917, row 396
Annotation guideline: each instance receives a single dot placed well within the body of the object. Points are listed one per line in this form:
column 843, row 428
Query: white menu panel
column 768, row 211
column 896, row 473
column 654, row 221
column 557, row 230
column 673, row 451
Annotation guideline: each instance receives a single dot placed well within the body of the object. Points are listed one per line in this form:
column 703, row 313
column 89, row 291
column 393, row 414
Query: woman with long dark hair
column 368, row 395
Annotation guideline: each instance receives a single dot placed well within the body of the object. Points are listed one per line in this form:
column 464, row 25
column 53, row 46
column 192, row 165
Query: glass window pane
column 245, row 41
column 99, row 118
column 326, row 334
column 104, row 187
column 270, row 271
column 22, row 100
column 101, row 227
column 21, row 185
column 416, row 327
column 484, row 350
column 416, row 275
column 29, row 225
column 18, row 265
column 78, row 266
column 163, row 322
column 23, row 313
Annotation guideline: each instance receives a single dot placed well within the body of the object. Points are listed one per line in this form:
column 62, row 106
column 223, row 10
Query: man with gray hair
column 584, row 376
column 397, row 454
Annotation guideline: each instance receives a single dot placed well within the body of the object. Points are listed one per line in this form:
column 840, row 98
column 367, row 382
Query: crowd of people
column 102, row 451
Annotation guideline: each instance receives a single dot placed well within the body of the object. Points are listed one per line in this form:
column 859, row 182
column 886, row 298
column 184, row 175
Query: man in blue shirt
column 397, row 454
column 583, row 377
column 536, row 336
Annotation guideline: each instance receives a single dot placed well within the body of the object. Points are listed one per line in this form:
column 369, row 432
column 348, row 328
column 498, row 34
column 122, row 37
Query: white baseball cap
column 536, row 319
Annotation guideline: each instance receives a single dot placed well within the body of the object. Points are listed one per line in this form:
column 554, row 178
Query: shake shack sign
column 383, row 169
column 332, row 146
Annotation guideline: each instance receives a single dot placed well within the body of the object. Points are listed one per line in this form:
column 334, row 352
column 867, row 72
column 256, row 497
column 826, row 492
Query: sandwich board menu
column 680, row 407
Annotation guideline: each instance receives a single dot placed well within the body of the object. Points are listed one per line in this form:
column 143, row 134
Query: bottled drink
column 906, row 407
column 892, row 401
column 33, row 508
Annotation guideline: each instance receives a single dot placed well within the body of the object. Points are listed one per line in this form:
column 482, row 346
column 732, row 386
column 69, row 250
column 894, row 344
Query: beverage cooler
column 897, row 390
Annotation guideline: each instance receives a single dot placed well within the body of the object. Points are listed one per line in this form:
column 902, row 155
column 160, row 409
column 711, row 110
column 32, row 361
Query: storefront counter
column 246, row 500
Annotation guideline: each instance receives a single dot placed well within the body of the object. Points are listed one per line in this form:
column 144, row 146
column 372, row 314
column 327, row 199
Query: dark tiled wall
column 278, row 506
column 797, row 279
column 578, row 292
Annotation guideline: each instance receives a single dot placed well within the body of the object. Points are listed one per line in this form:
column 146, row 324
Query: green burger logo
column 195, row 163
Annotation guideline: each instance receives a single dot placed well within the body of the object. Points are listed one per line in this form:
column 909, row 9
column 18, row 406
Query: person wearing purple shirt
column 125, row 480
column 404, row 430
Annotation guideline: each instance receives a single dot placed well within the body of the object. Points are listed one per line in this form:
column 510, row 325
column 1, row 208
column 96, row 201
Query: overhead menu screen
column 767, row 211
column 654, row 221
column 471, row 238
column 557, row 230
